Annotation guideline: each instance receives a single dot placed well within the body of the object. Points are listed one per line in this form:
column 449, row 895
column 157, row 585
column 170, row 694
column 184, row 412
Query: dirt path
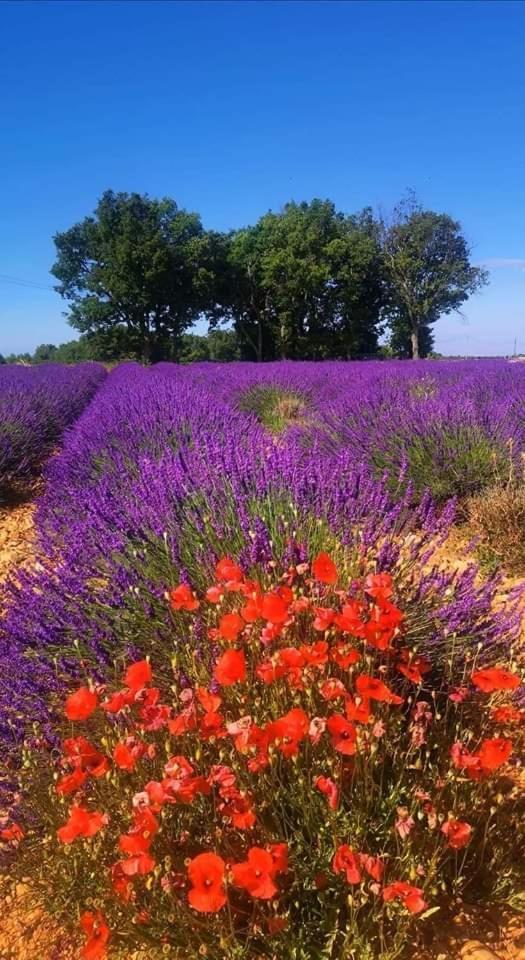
column 16, row 537
column 26, row 933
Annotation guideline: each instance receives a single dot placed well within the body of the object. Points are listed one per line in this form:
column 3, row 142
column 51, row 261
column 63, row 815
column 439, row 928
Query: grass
column 276, row 408
column 497, row 517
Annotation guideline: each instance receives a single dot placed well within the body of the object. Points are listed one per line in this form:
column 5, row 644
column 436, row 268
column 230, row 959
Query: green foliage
column 217, row 345
column 400, row 341
column 137, row 266
column 497, row 517
column 275, row 407
column 306, row 283
column 458, row 461
column 427, row 273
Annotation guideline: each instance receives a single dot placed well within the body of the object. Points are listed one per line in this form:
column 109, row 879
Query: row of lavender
column 164, row 473
column 36, row 406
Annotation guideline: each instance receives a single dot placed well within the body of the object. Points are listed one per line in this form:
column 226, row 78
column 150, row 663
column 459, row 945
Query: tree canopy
column 137, row 264
column 427, row 272
column 305, row 282
column 308, row 281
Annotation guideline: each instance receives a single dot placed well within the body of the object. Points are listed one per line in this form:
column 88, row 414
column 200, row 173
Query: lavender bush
column 36, row 405
column 165, row 471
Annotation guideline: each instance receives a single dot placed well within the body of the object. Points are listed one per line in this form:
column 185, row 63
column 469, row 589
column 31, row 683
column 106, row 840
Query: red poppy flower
column 274, row 609
column 324, row 569
column 81, row 704
column 291, row 728
column 184, row 721
column 126, row 756
column 97, row 932
column 324, row 618
column 457, row 833
column 458, row 694
column 81, row 823
column 139, row 839
column 332, row 689
column 138, row 675
column 347, row 862
column 507, row 715
column 252, row 609
column 209, row 701
column 185, row 791
column 494, row 678
column 206, row 873
column 214, row 594
column 464, row 760
column 343, row 734
column 156, row 794
column 178, row 768
column 411, row 897
column 71, row 782
column 137, row 866
column 291, row 658
column 80, row 753
column 279, row 855
column 226, row 570
column 12, row 834
column 494, row 753
column 358, row 711
column 315, row 654
column 330, row 790
column 344, row 655
column 414, row 669
column 378, row 636
column 374, row 866
column 230, row 668
column 241, row 814
column 268, row 671
column 117, row 701
column 121, row 885
column 212, row 725
column 350, row 619
column 230, row 626
column 379, row 586
column 374, row 689
column 255, row 874
column 183, row 598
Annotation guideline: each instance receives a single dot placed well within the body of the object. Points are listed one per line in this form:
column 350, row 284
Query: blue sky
column 233, row 108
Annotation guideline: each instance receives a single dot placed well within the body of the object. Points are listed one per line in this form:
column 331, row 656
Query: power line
column 18, row 281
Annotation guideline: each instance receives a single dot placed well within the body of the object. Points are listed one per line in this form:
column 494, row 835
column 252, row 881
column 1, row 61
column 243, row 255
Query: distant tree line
column 308, row 282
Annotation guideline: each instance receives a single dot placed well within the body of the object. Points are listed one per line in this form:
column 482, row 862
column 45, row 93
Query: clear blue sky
column 233, row 108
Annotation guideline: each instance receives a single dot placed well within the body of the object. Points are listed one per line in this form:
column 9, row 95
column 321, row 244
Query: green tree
column 193, row 348
column 241, row 298
column 44, row 353
column 305, row 282
column 428, row 273
column 400, row 341
column 223, row 345
column 137, row 268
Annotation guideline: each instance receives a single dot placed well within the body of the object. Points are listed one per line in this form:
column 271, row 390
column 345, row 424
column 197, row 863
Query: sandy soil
column 16, row 537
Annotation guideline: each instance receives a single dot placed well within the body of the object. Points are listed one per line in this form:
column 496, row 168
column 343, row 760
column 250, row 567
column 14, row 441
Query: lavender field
column 36, row 406
column 171, row 471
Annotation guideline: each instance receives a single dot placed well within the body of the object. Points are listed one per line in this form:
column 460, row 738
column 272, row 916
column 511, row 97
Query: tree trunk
column 259, row 341
column 414, row 340
column 146, row 341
